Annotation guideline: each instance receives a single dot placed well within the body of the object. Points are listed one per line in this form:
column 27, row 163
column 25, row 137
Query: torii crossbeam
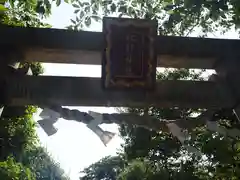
column 64, row 46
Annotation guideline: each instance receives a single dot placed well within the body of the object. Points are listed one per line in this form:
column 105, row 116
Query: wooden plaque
column 129, row 57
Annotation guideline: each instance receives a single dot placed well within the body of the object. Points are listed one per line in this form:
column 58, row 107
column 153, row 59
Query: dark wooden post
column 10, row 58
column 5, row 71
column 227, row 69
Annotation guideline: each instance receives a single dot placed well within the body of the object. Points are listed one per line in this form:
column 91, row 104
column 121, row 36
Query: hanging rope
column 91, row 119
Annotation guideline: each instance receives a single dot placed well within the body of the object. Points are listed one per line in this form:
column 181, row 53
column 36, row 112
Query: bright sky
column 74, row 146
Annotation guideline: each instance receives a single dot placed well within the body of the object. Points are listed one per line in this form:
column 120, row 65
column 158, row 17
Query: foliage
column 21, row 157
column 177, row 17
column 21, row 14
column 107, row 168
column 17, row 131
column 35, row 67
column 138, row 170
column 11, row 170
column 28, row 13
column 35, row 7
column 42, row 165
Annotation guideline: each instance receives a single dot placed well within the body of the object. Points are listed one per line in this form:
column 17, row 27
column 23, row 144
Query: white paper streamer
column 49, row 118
column 105, row 136
column 48, row 113
column 213, row 126
column 1, row 110
column 193, row 150
column 29, row 72
column 177, row 132
column 47, row 126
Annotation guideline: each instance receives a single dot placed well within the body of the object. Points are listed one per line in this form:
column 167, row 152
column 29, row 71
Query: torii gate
column 131, row 83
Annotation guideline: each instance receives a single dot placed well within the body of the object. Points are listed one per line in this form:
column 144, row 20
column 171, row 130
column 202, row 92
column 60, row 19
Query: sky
column 74, row 146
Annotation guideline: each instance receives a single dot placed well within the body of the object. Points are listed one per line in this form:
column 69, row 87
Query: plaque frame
column 129, row 82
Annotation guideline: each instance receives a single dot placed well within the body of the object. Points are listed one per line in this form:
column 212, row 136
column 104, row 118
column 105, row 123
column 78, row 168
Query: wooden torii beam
column 83, row 47
column 84, row 91
column 64, row 46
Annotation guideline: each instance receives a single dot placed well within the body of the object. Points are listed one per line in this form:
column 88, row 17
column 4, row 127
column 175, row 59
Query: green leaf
column 70, row 27
column 75, row 28
column 113, row 7
column 123, row 9
column 58, row 2
column 77, row 19
column 76, row 5
column 82, row 14
column 80, row 4
column 48, row 5
column 74, row 22
column 87, row 9
column 3, row 8
column 85, row 4
column 169, row 7
column 96, row 18
column 88, row 21
column 106, row 2
column 11, row 2
column 76, row 11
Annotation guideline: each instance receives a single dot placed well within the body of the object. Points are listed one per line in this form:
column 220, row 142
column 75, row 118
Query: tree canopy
column 177, row 17
column 11, row 170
